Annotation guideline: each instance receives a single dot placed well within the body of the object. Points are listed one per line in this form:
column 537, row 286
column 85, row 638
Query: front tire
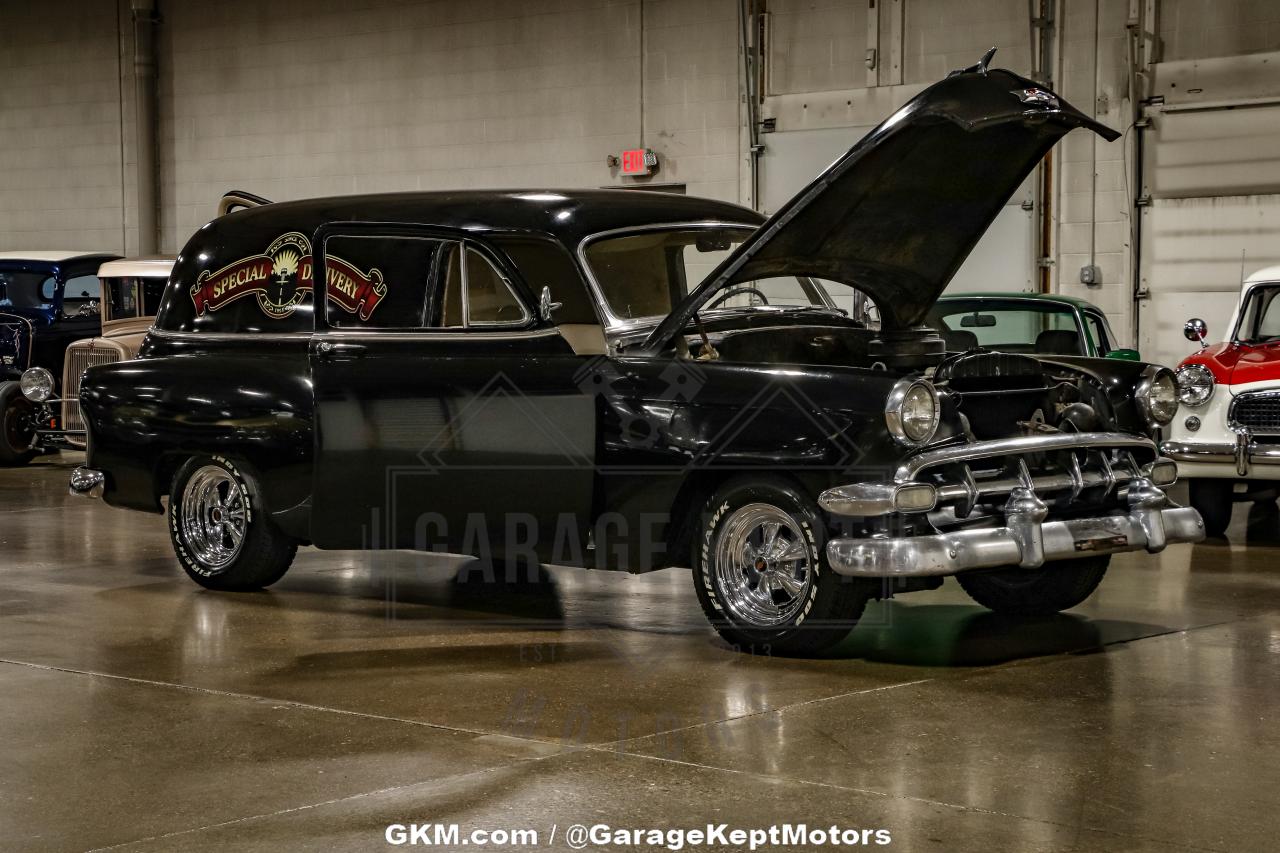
column 17, row 426
column 1213, row 500
column 220, row 529
column 761, row 571
column 1056, row 586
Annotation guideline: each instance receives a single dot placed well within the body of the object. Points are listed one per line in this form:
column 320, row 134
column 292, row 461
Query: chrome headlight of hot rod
column 1157, row 396
column 36, row 384
column 1195, row 384
column 912, row 412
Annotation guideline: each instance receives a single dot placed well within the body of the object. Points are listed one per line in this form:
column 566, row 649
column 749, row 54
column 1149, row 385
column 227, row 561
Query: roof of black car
column 566, row 214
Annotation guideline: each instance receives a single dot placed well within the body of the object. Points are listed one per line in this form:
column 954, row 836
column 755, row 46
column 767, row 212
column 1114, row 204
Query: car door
column 447, row 415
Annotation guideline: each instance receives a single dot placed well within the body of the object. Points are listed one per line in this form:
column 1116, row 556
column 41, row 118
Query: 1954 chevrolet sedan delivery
column 637, row 380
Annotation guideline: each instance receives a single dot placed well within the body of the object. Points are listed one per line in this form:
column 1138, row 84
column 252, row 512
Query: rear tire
column 220, row 528
column 761, row 571
column 1213, row 500
column 1052, row 588
column 17, row 429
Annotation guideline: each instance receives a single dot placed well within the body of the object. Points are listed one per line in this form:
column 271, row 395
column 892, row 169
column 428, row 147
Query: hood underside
column 899, row 212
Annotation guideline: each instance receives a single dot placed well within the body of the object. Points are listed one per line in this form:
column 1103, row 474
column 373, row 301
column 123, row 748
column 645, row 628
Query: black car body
column 540, row 375
column 47, row 301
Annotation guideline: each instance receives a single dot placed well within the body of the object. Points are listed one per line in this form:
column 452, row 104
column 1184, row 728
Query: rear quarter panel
column 250, row 399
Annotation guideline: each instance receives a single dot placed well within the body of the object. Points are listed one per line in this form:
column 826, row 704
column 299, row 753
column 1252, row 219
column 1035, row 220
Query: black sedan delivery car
column 634, row 380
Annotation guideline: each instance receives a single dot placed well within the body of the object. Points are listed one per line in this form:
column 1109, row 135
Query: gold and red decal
column 281, row 278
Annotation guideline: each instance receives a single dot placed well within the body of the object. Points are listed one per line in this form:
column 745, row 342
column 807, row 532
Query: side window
column 475, row 293
column 82, row 287
column 379, row 282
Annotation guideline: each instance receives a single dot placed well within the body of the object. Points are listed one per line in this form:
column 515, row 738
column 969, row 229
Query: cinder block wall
column 314, row 97
column 60, row 126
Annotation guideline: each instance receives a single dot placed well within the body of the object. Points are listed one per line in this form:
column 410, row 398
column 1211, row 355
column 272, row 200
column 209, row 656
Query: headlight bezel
column 1151, row 410
column 1195, row 373
column 903, row 428
column 37, row 384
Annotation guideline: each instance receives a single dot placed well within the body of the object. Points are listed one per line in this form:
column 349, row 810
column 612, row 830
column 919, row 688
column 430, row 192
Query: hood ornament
column 979, row 68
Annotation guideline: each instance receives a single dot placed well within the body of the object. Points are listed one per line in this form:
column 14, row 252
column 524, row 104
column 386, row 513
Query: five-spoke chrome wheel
column 762, row 565
column 214, row 516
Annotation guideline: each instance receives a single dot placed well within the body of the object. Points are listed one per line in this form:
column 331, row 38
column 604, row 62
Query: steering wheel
column 764, row 300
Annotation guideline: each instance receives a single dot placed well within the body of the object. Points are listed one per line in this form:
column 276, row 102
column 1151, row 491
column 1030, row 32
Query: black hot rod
column 638, row 380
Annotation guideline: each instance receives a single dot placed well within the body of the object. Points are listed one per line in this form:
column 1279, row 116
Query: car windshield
column 133, row 296
column 642, row 275
column 20, row 289
column 1044, row 328
column 1260, row 319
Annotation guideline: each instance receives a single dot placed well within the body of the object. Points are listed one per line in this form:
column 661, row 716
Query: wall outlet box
column 1090, row 275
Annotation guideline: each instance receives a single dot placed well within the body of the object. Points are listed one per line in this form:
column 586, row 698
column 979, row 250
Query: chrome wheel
column 763, row 566
column 214, row 516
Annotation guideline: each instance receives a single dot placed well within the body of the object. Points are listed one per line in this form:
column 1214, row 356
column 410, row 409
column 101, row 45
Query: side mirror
column 1195, row 330
column 546, row 306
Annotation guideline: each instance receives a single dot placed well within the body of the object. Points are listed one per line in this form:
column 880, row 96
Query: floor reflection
column 967, row 635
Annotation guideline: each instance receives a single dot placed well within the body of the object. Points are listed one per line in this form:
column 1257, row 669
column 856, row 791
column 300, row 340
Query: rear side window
column 475, row 293
column 380, row 282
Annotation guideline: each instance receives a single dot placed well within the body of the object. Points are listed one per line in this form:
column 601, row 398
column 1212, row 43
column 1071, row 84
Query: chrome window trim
column 228, row 336
column 450, row 333
column 525, row 317
column 455, row 333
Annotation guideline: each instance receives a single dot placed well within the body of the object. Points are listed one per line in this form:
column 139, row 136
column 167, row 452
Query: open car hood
column 899, row 212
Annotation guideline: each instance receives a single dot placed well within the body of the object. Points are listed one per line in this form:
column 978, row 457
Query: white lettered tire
column 761, row 571
column 221, row 532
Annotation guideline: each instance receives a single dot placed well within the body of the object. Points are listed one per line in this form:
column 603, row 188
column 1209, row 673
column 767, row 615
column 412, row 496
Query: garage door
column 1003, row 260
column 1212, row 177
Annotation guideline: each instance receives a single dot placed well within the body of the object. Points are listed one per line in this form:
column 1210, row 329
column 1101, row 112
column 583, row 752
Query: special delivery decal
column 281, row 278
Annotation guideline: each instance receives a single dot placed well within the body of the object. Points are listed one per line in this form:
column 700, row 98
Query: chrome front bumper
column 88, row 483
column 1244, row 452
column 1101, row 463
column 993, row 547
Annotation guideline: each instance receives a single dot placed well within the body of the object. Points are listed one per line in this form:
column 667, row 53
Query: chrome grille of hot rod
column 80, row 357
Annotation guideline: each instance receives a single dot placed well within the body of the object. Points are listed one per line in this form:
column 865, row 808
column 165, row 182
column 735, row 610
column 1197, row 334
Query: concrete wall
column 60, row 126
column 310, row 97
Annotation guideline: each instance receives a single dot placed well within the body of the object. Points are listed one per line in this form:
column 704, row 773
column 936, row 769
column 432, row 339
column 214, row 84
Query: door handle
column 330, row 349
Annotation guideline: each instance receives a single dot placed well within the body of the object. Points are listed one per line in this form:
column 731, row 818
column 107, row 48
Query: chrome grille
column 1259, row 412
column 80, row 359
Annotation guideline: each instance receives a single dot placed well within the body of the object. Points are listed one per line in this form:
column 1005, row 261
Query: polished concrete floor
column 139, row 712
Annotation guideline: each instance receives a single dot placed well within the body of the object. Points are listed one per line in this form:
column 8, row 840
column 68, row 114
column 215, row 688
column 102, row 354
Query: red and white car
column 1227, row 430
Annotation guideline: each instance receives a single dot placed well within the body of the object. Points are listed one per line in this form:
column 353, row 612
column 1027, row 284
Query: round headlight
column 1195, row 384
column 36, row 384
column 1157, row 397
column 912, row 412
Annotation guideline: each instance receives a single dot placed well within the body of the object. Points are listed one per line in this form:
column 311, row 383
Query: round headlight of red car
column 1195, row 384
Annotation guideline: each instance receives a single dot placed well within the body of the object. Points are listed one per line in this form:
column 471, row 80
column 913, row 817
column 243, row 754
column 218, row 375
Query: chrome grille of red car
column 1259, row 412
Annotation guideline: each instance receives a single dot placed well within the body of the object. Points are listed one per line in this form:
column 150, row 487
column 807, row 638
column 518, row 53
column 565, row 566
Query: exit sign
column 638, row 161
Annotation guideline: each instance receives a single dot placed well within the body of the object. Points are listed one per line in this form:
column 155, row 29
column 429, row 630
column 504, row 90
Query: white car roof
column 49, row 256
column 158, row 266
column 1264, row 274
